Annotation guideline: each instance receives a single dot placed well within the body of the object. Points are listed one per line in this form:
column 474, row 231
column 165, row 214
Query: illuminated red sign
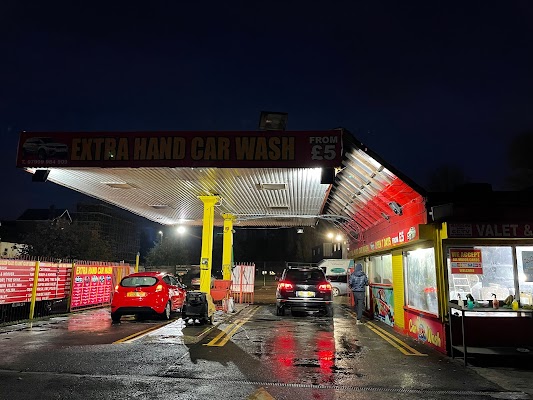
column 181, row 149
column 92, row 286
column 16, row 281
column 395, row 231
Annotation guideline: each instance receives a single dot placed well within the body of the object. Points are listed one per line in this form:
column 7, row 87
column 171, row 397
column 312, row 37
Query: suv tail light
column 285, row 286
column 325, row 287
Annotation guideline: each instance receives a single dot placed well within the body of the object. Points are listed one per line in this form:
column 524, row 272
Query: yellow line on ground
column 260, row 394
column 394, row 341
column 390, row 338
column 225, row 335
column 221, row 333
column 141, row 333
column 225, row 339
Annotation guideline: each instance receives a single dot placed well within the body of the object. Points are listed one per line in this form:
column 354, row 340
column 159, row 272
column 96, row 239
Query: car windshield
column 135, row 281
column 304, row 275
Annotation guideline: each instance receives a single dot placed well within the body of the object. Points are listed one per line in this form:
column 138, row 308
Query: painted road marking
column 260, row 394
column 226, row 334
column 391, row 339
column 145, row 332
column 137, row 335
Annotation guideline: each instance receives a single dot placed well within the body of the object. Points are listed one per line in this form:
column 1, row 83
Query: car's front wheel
column 336, row 292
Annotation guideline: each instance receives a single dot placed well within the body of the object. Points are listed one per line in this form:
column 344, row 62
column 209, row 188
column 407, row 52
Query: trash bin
column 198, row 305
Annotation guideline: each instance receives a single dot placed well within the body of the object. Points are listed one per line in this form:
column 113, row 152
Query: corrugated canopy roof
column 364, row 190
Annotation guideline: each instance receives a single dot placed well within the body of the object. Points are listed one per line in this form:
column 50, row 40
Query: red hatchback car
column 145, row 293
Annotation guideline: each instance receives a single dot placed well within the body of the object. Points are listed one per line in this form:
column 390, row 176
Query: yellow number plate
column 136, row 294
column 305, row 294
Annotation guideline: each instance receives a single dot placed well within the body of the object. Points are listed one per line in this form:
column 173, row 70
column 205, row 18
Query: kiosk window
column 381, row 269
column 497, row 275
column 524, row 258
column 421, row 280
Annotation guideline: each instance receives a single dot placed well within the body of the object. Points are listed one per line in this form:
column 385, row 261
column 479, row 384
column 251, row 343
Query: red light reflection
column 294, row 354
column 93, row 321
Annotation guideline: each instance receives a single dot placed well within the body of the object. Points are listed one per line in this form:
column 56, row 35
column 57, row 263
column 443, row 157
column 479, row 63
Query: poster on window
column 466, row 261
column 383, row 302
column 527, row 264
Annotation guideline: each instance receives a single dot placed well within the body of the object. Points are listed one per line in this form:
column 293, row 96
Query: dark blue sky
column 421, row 84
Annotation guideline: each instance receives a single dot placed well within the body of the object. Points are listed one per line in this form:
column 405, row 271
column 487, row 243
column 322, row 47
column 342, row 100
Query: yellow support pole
column 227, row 246
column 441, row 264
column 72, row 277
column 34, row 289
column 207, row 241
column 137, row 262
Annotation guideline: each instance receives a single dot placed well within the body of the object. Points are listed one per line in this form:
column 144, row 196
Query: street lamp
column 337, row 240
column 161, row 240
column 181, row 230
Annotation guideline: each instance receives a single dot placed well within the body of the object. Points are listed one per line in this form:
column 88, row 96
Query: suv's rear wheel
column 115, row 317
column 329, row 310
column 280, row 310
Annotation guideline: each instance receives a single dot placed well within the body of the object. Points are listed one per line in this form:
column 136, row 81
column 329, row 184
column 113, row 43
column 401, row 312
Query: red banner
column 181, row 149
column 16, row 281
column 92, row 286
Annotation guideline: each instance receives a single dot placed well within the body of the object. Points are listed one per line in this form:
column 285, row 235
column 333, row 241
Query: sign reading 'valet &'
column 486, row 230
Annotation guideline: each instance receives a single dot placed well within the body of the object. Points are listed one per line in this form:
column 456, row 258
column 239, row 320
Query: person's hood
column 358, row 269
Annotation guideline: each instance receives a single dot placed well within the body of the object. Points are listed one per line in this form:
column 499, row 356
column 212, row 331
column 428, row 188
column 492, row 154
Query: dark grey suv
column 304, row 289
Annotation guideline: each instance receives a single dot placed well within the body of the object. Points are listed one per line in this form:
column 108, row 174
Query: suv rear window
column 135, row 281
column 305, row 275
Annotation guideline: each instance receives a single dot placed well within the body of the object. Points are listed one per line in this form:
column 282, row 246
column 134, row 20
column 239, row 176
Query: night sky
column 421, row 84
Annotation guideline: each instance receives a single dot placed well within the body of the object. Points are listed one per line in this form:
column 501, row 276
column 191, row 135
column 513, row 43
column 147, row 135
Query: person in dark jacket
column 358, row 281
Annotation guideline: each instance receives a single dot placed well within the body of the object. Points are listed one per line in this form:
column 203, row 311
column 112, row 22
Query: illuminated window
column 421, row 280
column 497, row 275
column 381, row 269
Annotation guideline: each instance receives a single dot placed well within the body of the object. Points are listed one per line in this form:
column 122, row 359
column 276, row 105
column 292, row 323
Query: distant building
column 328, row 250
column 33, row 217
column 112, row 225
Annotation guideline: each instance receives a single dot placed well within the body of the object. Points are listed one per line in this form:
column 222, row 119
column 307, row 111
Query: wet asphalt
column 250, row 354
